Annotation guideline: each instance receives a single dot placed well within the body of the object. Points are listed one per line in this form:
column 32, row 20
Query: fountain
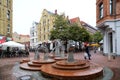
column 72, row 69
column 37, row 62
column 63, row 69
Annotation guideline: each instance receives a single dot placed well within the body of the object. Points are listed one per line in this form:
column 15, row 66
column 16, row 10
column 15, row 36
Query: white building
column 33, row 35
column 108, row 21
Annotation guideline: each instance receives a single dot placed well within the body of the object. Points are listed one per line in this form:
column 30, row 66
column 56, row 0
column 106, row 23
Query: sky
column 25, row 12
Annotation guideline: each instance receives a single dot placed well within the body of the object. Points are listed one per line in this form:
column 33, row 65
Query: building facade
column 6, row 11
column 83, row 24
column 75, row 20
column 108, row 22
column 45, row 24
column 88, row 27
column 20, row 38
column 33, row 35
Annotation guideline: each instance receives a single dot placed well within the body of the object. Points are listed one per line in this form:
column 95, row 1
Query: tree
column 65, row 31
column 77, row 33
column 60, row 30
column 85, row 36
column 97, row 37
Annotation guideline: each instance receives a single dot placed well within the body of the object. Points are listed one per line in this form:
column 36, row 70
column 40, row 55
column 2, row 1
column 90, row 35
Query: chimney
column 56, row 11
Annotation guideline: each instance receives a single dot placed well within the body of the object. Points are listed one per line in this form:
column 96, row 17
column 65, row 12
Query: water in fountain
column 36, row 56
column 59, row 49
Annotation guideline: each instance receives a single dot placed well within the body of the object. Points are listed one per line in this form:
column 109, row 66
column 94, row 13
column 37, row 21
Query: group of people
column 13, row 52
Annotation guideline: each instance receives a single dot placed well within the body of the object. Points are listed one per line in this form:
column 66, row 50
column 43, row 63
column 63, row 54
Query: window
column 32, row 40
column 44, row 37
column 8, row 15
column 33, row 34
column 101, row 10
column 44, row 29
column 48, row 29
column 44, row 23
column 0, row 1
column 111, row 7
column 48, row 36
column 48, row 21
column 8, row 28
column 7, row 2
column 0, row 12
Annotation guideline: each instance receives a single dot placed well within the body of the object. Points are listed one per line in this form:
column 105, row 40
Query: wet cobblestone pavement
column 7, row 64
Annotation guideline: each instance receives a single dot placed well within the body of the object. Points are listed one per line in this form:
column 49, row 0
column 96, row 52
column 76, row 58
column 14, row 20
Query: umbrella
column 13, row 44
column 95, row 44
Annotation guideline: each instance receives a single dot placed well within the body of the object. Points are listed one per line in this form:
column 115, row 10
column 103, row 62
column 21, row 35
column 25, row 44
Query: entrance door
column 110, row 42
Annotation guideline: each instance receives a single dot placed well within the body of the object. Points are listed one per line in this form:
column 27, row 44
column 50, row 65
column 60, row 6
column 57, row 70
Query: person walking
column 87, row 51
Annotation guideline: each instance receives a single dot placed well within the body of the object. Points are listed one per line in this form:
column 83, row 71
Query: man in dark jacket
column 87, row 51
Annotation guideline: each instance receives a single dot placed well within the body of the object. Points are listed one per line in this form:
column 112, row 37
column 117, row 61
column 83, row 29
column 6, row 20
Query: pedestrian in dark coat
column 87, row 51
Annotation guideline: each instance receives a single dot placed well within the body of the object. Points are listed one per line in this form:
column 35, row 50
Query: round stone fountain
column 77, row 70
column 65, row 69
column 72, row 69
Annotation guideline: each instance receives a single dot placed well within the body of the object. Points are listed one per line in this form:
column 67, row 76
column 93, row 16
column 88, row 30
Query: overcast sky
column 27, row 11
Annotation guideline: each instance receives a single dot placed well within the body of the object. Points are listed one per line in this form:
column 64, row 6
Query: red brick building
column 108, row 21
column 75, row 20
column 111, row 10
column 88, row 27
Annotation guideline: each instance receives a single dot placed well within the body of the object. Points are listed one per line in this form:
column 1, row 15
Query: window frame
column 8, row 14
column 101, row 10
column 8, row 28
column 111, row 7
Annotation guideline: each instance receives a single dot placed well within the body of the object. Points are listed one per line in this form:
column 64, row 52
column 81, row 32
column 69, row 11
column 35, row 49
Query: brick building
column 88, row 27
column 108, row 21
column 75, row 20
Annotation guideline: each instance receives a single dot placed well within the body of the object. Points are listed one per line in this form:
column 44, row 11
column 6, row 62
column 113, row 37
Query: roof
column 49, row 12
column 87, row 25
column 24, row 35
column 74, row 20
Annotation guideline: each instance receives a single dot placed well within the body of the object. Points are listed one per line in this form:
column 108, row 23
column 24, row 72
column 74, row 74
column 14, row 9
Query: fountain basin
column 82, row 64
column 25, row 66
column 58, row 73
column 41, row 61
column 35, row 65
